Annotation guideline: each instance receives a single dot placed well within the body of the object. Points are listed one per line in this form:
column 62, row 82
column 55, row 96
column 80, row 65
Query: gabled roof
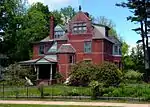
column 53, row 48
column 100, row 25
column 59, row 28
column 47, row 59
column 46, row 39
column 115, row 40
column 80, row 14
column 66, row 48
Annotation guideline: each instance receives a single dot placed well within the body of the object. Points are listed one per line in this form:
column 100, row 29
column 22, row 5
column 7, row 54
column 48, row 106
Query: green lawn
column 129, row 90
column 55, row 90
column 17, row 105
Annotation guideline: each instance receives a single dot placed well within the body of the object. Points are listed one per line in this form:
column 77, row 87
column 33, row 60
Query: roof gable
column 80, row 16
column 66, row 48
column 53, row 48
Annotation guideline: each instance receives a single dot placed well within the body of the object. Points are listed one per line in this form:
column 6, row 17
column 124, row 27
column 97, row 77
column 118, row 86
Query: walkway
column 74, row 103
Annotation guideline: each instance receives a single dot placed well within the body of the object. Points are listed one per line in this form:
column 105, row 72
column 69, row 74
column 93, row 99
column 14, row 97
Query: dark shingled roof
column 97, row 33
column 66, row 48
column 114, row 39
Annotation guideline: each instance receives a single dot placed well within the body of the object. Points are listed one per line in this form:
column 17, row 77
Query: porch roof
column 44, row 60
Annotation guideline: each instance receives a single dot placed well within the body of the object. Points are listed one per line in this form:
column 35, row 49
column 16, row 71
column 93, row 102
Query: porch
column 45, row 73
column 45, row 69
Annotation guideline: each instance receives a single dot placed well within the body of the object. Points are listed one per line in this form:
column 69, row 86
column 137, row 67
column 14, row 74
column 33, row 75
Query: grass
column 18, row 105
column 54, row 90
column 129, row 90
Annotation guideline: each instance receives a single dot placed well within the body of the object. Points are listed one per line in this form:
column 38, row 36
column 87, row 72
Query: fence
column 69, row 92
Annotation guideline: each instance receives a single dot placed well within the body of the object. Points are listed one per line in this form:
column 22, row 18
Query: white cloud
column 57, row 4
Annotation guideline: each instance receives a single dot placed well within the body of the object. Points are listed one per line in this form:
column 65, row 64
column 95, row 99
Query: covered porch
column 45, row 69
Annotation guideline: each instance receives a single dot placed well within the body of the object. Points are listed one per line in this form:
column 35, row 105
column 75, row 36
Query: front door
column 44, row 71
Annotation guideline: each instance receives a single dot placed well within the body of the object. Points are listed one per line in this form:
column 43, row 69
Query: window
column 87, row 46
column 41, row 49
column 116, row 49
column 71, row 59
column 79, row 28
column 119, row 50
column 58, row 34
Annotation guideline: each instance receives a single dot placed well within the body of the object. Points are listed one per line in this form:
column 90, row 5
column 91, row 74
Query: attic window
column 79, row 28
column 58, row 34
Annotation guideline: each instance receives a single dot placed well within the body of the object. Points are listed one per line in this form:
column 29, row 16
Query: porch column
column 37, row 71
column 51, row 72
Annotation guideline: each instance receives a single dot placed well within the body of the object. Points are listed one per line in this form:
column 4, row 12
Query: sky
column 105, row 8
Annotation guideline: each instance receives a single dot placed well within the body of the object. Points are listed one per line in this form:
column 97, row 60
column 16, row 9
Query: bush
column 73, row 92
column 81, row 74
column 109, row 74
column 96, row 89
column 15, row 74
column 133, row 76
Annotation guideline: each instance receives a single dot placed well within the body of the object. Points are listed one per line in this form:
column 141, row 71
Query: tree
column 139, row 8
column 67, row 13
column 22, row 28
column 12, row 20
column 137, row 58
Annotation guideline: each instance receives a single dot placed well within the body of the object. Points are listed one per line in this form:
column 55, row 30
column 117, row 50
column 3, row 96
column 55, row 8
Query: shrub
column 15, row 74
column 133, row 76
column 95, row 88
column 109, row 74
column 81, row 73
column 73, row 92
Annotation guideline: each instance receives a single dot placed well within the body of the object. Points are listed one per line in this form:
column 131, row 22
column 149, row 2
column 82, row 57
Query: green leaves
column 83, row 73
column 15, row 74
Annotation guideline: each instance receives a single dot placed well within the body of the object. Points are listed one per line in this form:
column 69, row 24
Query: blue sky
column 101, row 8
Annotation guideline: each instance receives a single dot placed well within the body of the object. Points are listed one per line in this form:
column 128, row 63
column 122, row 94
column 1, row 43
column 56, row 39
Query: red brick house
column 79, row 40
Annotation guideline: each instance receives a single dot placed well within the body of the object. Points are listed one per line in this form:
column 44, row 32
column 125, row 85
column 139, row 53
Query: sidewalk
column 74, row 103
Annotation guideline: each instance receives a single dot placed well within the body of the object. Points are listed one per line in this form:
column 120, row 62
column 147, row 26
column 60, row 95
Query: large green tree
column 140, row 15
column 67, row 13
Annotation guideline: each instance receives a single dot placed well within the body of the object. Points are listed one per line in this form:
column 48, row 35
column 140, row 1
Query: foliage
column 81, row 73
column 67, row 13
column 140, row 15
column 138, row 58
column 73, row 92
column 109, row 74
column 106, row 73
column 15, row 75
column 132, row 75
column 95, row 88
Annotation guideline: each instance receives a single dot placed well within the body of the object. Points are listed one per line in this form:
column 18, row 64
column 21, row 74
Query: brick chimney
column 51, row 35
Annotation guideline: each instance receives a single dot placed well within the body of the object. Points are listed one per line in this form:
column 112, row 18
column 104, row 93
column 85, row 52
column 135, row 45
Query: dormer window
column 79, row 28
column 58, row 34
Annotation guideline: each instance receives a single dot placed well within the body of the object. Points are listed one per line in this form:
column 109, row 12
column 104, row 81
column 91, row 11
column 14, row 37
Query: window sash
column 87, row 46
column 41, row 49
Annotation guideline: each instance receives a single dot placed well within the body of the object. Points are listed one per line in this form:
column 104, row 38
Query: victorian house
column 80, row 40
